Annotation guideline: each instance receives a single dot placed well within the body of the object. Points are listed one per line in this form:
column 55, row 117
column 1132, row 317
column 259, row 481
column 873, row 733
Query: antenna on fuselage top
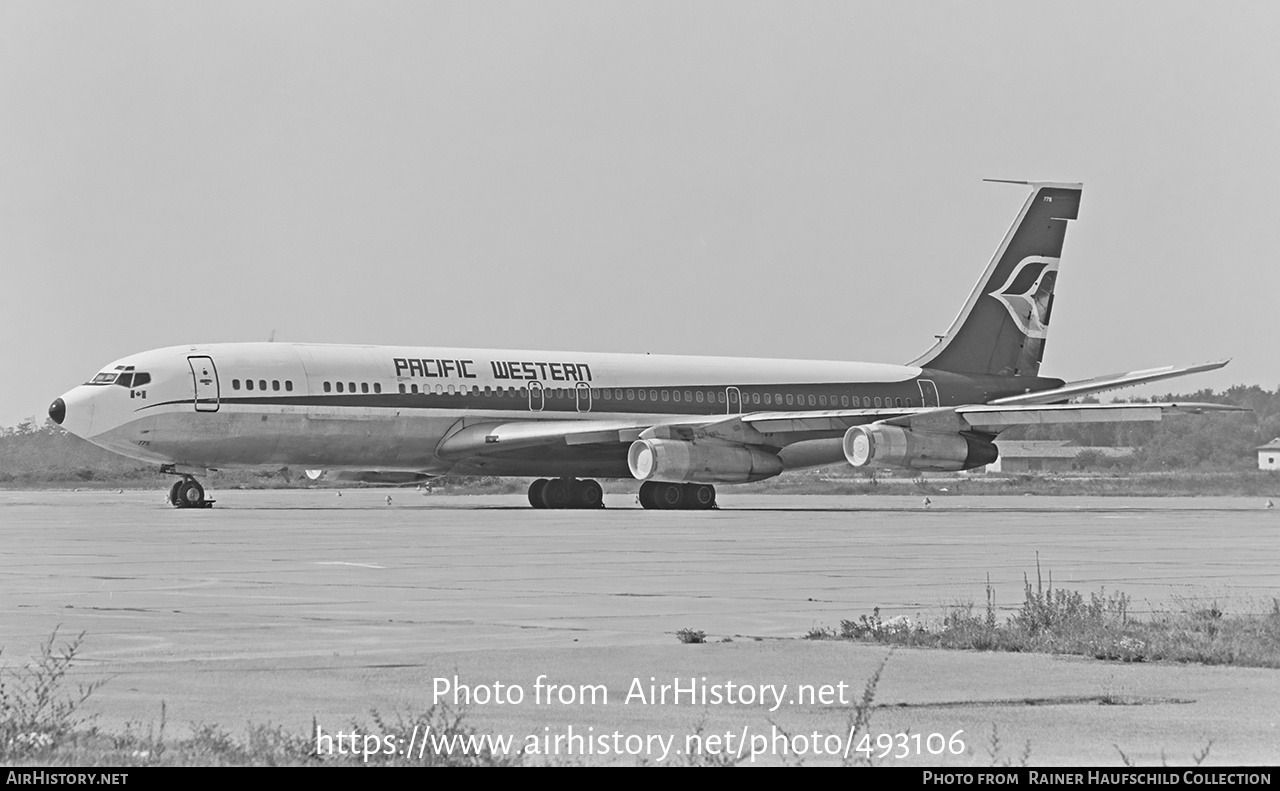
column 272, row 339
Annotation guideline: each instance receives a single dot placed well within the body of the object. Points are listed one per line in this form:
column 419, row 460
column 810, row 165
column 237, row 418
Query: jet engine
column 881, row 445
column 678, row 461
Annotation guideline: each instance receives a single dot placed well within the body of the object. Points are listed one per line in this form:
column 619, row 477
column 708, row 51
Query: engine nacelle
column 880, row 445
column 368, row 476
column 678, row 461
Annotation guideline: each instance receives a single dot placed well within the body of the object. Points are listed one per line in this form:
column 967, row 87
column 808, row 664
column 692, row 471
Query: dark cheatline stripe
column 907, row 391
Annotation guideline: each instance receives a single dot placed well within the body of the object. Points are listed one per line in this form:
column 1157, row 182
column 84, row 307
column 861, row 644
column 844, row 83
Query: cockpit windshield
column 123, row 376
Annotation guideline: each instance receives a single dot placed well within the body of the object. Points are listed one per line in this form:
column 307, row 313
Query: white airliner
column 678, row 424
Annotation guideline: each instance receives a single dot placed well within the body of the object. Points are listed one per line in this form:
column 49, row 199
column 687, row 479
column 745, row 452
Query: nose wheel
column 188, row 493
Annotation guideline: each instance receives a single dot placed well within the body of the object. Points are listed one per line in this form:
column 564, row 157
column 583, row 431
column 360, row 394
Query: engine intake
column 676, row 460
column 881, row 445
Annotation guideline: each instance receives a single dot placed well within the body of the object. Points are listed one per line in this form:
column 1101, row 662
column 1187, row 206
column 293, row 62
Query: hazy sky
column 789, row 179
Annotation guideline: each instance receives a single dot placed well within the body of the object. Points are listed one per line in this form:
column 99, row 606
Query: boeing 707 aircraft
column 678, row 424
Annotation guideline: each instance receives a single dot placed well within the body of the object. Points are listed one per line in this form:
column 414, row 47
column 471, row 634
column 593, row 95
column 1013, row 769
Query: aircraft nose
column 58, row 410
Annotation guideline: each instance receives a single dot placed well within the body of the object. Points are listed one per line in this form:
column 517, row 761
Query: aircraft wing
column 1102, row 384
column 994, row 418
column 482, row 439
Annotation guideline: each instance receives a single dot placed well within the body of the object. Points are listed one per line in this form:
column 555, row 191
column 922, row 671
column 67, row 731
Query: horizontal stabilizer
column 1102, row 384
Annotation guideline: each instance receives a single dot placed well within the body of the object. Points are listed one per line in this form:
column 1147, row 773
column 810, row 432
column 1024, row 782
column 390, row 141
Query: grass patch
column 1100, row 625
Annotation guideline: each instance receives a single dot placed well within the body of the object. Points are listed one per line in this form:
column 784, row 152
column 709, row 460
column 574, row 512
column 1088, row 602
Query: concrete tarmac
column 281, row 606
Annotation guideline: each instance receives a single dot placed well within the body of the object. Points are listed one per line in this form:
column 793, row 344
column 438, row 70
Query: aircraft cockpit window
column 104, row 378
column 125, row 380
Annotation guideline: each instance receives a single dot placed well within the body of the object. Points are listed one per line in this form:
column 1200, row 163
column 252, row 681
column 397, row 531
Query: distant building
column 1047, row 455
column 1269, row 455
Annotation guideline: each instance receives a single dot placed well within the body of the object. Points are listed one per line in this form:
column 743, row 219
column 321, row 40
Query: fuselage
column 390, row 408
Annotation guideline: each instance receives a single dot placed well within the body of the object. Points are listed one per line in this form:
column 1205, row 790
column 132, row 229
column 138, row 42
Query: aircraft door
column 536, row 401
column 733, row 401
column 204, row 376
column 928, row 392
column 583, row 392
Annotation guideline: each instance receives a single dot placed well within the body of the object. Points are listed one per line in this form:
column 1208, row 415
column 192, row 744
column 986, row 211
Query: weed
column 691, row 636
column 1060, row 621
column 995, row 747
column 37, row 711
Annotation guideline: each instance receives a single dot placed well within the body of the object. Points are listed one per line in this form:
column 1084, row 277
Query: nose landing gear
column 187, row 493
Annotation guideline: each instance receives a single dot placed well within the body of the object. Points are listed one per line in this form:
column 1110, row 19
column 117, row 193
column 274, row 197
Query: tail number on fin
column 1028, row 294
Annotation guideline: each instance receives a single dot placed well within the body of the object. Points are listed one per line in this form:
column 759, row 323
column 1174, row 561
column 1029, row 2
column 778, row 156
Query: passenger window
column 439, row 390
column 755, row 398
column 698, row 395
column 642, row 397
column 877, row 403
column 288, row 385
column 364, row 387
column 488, row 391
column 235, row 384
column 897, row 402
column 414, row 389
column 768, row 400
column 248, row 384
column 909, row 404
column 789, row 399
column 402, row 387
column 844, row 400
column 688, row 396
column 377, row 388
column 631, row 394
column 326, row 387
column 262, row 384
column 653, row 395
column 617, row 395
column 675, row 396
column 666, row 396
column 720, row 397
column 822, row 400
column 275, row 384
column 351, row 387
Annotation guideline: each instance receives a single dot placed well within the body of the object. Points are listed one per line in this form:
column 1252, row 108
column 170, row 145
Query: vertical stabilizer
column 1002, row 328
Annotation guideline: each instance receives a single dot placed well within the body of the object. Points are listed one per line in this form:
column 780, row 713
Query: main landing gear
column 686, row 496
column 187, row 492
column 565, row 493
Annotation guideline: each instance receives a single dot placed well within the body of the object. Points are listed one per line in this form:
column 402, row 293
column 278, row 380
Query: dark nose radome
column 58, row 410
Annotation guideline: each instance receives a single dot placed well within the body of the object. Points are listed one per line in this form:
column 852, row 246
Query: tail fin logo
column 1028, row 294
